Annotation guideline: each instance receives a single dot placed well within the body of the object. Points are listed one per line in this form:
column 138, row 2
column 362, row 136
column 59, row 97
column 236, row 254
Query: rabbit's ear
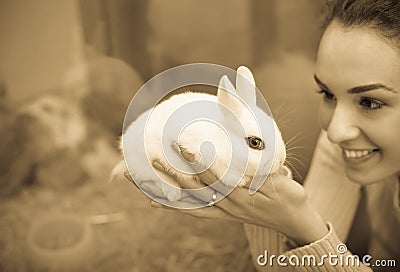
column 227, row 95
column 246, row 86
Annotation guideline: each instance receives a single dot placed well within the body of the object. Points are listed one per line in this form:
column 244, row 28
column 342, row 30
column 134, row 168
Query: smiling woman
column 358, row 73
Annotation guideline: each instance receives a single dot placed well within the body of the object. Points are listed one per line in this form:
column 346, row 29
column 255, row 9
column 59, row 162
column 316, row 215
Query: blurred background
column 68, row 71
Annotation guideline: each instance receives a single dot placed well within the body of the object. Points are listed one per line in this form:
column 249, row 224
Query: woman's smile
column 356, row 157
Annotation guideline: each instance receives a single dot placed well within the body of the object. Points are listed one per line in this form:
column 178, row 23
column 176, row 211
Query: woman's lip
column 357, row 156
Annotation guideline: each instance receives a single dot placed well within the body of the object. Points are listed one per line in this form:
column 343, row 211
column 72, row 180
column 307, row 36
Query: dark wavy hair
column 383, row 16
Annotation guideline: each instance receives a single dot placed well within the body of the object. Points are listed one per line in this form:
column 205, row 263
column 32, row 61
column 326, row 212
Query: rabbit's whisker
column 294, row 169
column 297, row 147
column 293, row 138
column 278, row 111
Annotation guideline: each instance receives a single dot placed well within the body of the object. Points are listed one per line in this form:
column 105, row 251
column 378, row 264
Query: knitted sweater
column 336, row 199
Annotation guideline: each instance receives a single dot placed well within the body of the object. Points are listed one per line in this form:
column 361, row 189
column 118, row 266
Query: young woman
column 351, row 194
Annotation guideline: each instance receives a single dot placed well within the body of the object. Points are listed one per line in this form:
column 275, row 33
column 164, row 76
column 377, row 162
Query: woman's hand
column 281, row 203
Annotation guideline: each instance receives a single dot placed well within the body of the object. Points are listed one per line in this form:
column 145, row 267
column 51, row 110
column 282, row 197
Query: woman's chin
column 365, row 178
column 361, row 178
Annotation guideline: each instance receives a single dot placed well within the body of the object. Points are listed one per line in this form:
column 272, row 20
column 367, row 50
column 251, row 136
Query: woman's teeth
column 357, row 154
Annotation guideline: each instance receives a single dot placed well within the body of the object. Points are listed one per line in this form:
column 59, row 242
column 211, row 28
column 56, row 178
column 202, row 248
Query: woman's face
column 358, row 74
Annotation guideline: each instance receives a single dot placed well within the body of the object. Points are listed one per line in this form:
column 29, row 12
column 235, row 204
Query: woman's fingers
column 151, row 188
column 241, row 205
column 192, row 183
column 209, row 195
column 208, row 212
column 281, row 188
column 165, row 168
column 213, row 212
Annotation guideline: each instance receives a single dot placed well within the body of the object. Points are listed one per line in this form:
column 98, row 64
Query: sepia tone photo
column 183, row 135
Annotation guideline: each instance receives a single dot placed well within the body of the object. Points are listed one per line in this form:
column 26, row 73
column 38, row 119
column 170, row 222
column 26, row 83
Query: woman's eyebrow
column 370, row 87
column 359, row 89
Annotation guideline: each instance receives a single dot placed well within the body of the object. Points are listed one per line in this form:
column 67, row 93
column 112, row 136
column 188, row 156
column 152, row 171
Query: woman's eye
column 328, row 96
column 371, row 104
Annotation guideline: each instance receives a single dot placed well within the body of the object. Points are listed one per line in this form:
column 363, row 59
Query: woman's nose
column 342, row 126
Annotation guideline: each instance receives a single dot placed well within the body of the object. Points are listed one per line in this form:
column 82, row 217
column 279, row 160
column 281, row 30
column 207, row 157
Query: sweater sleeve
column 271, row 252
column 263, row 243
column 329, row 254
column 330, row 191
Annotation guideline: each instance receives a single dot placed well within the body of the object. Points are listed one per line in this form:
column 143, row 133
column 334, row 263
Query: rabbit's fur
column 238, row 117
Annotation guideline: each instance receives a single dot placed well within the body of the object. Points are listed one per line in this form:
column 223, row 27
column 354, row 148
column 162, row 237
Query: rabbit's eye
column 255, row 142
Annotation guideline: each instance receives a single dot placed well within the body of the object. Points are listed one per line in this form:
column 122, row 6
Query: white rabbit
column 246, row 141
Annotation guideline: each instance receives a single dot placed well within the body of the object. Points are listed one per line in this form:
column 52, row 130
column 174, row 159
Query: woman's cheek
column 325, row 115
